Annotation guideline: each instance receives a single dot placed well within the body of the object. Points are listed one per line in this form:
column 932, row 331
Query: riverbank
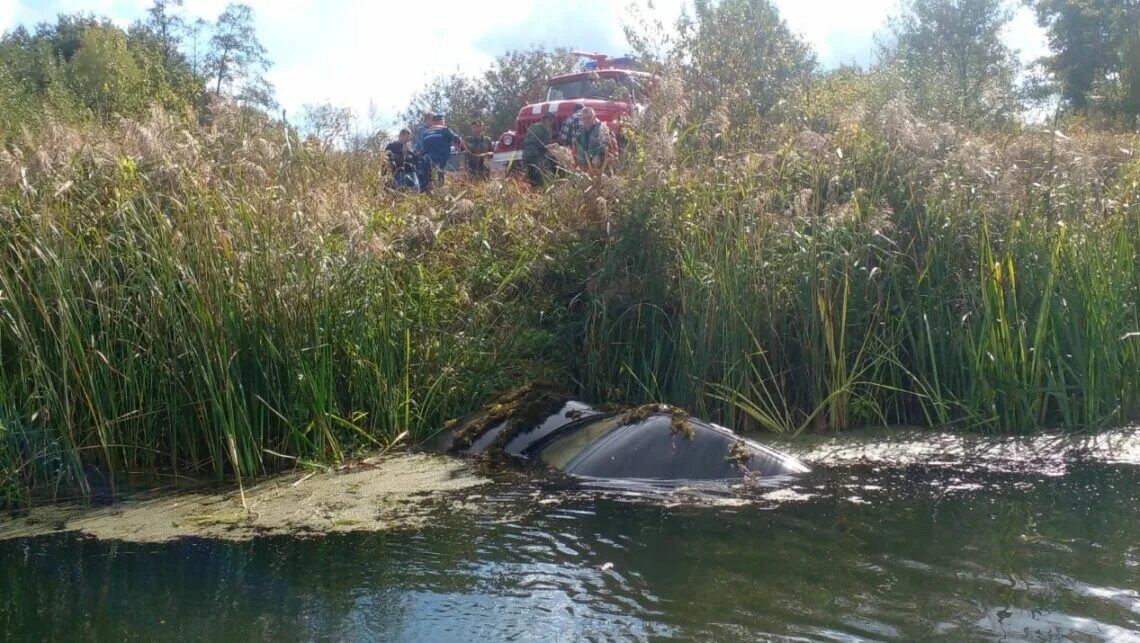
column 227, row 300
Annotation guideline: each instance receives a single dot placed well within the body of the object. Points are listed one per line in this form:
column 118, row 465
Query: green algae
column 680, row 421
column 738, row 454
column 517, row 412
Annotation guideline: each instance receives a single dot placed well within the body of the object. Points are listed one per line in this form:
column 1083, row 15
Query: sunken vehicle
column 653, row 443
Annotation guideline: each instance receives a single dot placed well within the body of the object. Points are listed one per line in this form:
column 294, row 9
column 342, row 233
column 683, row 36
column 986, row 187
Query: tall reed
column 894, row 274
column 228, row 300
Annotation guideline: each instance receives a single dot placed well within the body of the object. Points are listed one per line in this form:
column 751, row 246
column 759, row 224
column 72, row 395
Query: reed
column 890, row 285
column 228, row 300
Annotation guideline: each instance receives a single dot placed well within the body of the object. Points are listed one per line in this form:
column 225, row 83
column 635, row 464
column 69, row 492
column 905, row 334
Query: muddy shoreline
column 394, row 492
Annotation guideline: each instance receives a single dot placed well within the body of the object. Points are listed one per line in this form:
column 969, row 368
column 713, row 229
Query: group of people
column 419, row 158
column 582, row 131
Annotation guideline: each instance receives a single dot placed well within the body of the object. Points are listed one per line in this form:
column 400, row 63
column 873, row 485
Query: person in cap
column 572, row 126
column 480, row 148
column 436, row 151
column 592, row 141
column 535, row 148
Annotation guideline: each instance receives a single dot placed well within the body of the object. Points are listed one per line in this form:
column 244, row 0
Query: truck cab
column 611, row 86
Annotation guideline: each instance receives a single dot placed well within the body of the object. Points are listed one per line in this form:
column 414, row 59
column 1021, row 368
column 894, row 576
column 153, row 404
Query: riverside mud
column 396, row 492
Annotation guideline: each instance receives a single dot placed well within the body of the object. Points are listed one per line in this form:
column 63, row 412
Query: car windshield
column 620, row 88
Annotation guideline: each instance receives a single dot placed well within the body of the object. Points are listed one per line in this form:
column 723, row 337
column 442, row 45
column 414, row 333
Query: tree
column 80, row 65
column 740, row 55
column 32, row 81
column 167, row 27
column 329, row 124
column 104, row 74
column 515, row 78
column 193, row 31
column 237, row 59
column 952, row 58
column 157, row 43
column 1095, row 59
column 518, row 77
column 461, row 98
column 65, row 36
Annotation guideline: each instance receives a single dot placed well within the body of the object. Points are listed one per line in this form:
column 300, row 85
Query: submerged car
column 647, row 443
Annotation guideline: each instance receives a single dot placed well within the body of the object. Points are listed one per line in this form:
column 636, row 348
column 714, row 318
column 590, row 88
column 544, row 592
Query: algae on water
column 400, row 491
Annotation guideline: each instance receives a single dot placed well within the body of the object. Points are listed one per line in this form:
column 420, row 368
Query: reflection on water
column 903, row 554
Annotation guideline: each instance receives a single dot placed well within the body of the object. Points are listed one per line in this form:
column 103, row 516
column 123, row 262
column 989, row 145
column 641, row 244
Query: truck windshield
column 604, row 88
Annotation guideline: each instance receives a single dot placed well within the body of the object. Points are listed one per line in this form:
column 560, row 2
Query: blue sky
column 366, row 55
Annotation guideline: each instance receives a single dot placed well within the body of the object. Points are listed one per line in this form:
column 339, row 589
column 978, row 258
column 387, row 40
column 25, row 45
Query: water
column 854, row 553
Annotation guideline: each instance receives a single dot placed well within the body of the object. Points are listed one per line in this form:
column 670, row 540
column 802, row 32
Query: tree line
column 737, row 60
column 85, row 67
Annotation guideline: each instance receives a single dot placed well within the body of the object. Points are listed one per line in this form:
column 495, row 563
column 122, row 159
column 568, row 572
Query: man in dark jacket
column 403, row 161
column 436, row 151
column 536, row 155
column 479, row 151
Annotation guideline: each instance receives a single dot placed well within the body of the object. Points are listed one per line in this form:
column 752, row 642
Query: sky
column 371, row 56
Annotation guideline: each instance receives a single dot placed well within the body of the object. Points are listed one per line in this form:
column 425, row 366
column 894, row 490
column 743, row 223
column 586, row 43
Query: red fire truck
column 614, row 87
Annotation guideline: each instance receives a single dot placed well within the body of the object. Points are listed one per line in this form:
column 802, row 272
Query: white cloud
column 7, row 14
column 264, row 10
column 371, row 55
column 1024, row 35
column 838, row 30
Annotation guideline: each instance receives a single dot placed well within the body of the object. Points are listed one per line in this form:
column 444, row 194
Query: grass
column 793, row 292
column 226, row 300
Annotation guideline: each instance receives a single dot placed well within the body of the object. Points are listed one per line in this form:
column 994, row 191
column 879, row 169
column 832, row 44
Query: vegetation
column 1095, row 58
column 84, row 68
column 515, row 78
column 199, row 290
column 739, row 58
column 237, row 57
column 953, row 59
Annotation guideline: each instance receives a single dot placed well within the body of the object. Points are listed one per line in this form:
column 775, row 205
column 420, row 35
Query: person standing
column 436, row 151
column 418, row 133
column 593, row 141
column 480, row 148
column 535, row 150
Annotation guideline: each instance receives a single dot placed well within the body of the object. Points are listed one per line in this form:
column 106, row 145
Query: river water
column 854, row 551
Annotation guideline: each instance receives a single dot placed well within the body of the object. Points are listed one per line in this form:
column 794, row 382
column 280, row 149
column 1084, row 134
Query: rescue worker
column 436, row 151
column 480, row 148
column 418, row 133
column 535, row 150
column 403, row 161
column 572, row 126
column 593, row 141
